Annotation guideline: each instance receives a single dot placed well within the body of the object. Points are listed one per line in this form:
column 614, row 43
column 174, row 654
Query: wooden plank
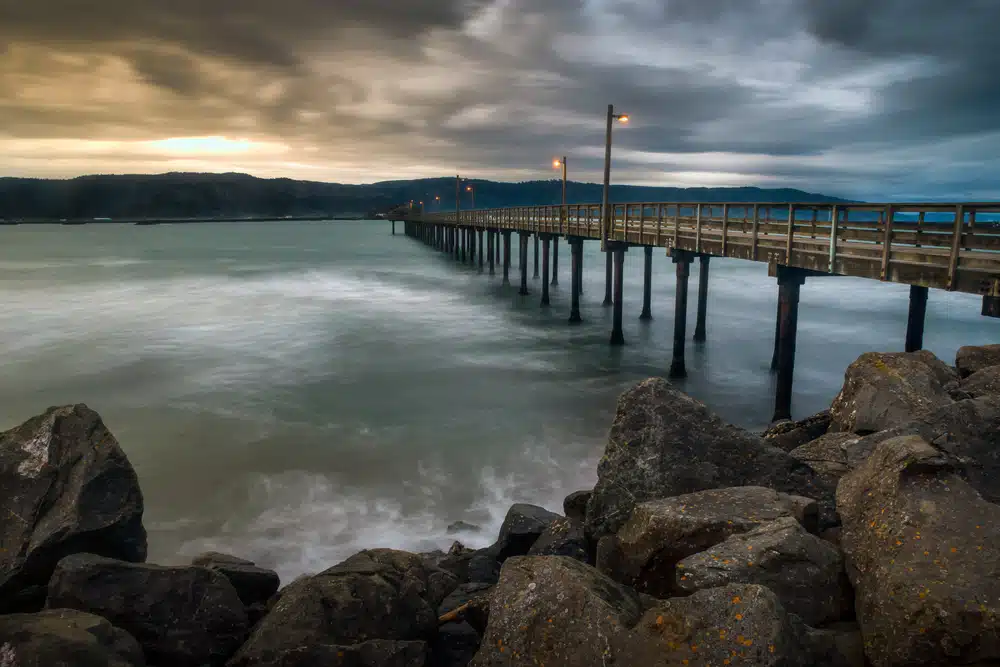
column 697, row 215
column 725, row 226
column 955, row 244
column 756, row 232
column 886, row 243
column 791, row 234
column 834, row 215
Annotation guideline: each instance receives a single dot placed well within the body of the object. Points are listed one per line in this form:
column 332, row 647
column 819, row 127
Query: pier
column 946, row 246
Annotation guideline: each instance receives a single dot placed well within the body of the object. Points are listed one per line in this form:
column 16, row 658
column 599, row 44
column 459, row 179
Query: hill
column 207, row 196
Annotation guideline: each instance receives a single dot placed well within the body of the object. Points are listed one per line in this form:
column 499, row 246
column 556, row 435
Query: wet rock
column 379, row 594
column 67, row 488
column 521, row 527
column 463, row 527
column 183, row 616
column 65, row 638
column 483, row 566
column 982, row 383
column 968, row 431
column 563, row 537
column 805, row 572
column 827, row 455
column 836, row 645
column 457, row 641
column 735, row 624
column 788, row 435
column 575, row 505
column 373, row 653
column 972, row 358
column 661, row 533
column 254, row 585
column 923, row 552
column 883, row 390
column 664, row 443
column 553, row 610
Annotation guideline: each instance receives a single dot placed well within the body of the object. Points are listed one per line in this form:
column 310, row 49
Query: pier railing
column 952, row 246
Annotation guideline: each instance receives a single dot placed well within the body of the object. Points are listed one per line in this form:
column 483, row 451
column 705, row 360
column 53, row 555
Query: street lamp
column 437, row 198
column 555, row 165
column 612, row 117
column 472, row 191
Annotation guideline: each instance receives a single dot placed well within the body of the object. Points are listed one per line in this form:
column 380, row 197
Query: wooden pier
column 947, row 246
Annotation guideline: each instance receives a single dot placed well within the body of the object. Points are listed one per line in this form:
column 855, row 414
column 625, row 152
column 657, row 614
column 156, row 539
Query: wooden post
column 545, row 270
column 393, row 227
column 647, row 283
column 683, row 261
column 480, row 249
column 618, row 251
column 608, row 277
column 789, row 282
column 575, row 277
column 915, row 318
column 777, row 338
column 535, row 275
column 490, row 242
column 699, row 327
column 506, row 257
column 555, row 260
column 524, row 236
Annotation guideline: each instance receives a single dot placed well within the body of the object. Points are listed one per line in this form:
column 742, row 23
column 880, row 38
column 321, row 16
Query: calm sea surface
column 293, row 392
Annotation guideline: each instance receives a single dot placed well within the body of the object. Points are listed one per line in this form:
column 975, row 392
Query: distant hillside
column 181, row 196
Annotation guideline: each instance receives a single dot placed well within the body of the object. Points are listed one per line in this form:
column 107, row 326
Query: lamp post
column 605, row 213
column 557, row 164
column 563, row 216
column 472, row 191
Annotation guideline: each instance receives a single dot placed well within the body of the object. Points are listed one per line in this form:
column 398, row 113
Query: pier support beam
column 524, row 237
column 682, row 259
column 699, row 326
column 608, row 277
column 535, row 275
column 472, row 245
column 647, row 283
column 506, row 258
column 555, row 260
column 545, row 270
column 575, row 277
column 489, row 249
column 789, row 282
column 393, row 227
column 915, row 320
column 777, row 338
column 617, row 251
column 498, row 245
column 480, row 251
column 464, row 245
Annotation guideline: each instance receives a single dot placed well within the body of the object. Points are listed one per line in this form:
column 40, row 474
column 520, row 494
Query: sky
column 873, row 99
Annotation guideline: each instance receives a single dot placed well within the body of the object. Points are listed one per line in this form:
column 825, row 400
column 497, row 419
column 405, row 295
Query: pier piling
column 575, row 278
column 683, row 261
column 618, row 252
column 489, row 250
column 608, row 277
column 536, row 256
column 555, row 260
column 525, row 236
column 699, row 326
column 506, row 258
column 647, row 283
column 545, row 270
column 480, row 250
column 790, row 280
column 915, row 319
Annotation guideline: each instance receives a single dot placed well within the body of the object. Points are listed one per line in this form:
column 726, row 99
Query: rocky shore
column 868, row 534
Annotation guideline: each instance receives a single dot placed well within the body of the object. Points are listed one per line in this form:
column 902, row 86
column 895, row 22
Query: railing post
column 834, row 219
column 697, row 230
column 791, row 234
column 886, row 242
column 956, row 241
column 725, row 227
column 756, row 232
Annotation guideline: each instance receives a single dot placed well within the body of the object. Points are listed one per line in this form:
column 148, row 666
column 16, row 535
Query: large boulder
column 255, row 585
column 827, row 455
column 575, row 505
column 969, row 431
column 65, row 638
column 973, row 358
column 923, row 552
column 521, row 527
column 730, row 625
column 554, row 610
column 183, row 616
column 805, row 572
column 664, row 443
column 379, row 594
column 882, row 390
column 372, row 653
column 563, row 537
column 458, row 638
column 661, row 533
column 787, row 435
column 67, row 488
column 982, row 383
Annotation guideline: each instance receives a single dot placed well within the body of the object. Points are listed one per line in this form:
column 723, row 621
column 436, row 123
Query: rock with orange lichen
column 922, row 549
column 973, row 358
column 556, row 611
column 660, row 533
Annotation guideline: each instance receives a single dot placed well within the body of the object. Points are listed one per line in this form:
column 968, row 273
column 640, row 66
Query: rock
column 664, row 443
column 827, row 455
column 575, row 505
column 183, row 616
column 463, row 527
column 805, row 572
column 457, row 641
column 563, row 537
column 379, row 594
column 836, row 645
column 483, row 566
column 521, row 527
column 982, row 383
column 788, row 435
column 254, row 585
column 883, row 390
column 468, row 565
column 67, row 488
column 972, row 358
column 968, row 431
column 730, row 625
column 553, row 610
column 373, row 653
column 65, row 638
column 923, row 552
column 661, row 533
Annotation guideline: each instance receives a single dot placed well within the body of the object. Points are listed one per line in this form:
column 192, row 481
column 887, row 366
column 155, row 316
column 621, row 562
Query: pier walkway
column 948, row 246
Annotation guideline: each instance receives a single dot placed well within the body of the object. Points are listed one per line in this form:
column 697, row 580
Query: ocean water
column 293, row 392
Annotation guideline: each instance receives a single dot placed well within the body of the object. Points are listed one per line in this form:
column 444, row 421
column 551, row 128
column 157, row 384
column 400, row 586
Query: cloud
column 859, row 98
